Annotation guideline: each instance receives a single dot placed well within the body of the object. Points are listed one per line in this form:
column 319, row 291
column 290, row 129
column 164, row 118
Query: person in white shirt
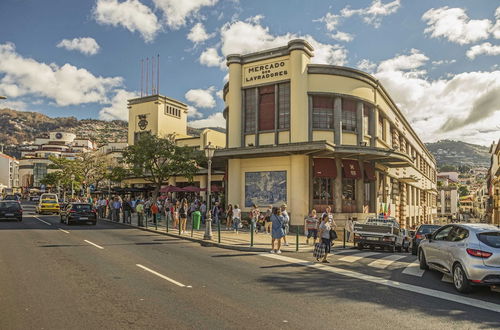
column 286, row 223
column 236, row 218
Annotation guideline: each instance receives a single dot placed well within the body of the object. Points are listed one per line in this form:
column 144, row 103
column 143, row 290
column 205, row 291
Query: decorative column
column 374, row 126
column 337, row 120
column 395, row 139
column 359, row 122
column 402, row 205
column 234, row 102
column 337, row 190
column 402, row 145
column 360, row 188
column 395, row 198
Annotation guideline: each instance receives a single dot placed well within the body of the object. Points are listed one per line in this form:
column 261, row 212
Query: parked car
column 47, row 206
column 420, row 233
column 79, row 213
column 11, row 210
column 11, row 198
column 378, row 232
column 470, row 253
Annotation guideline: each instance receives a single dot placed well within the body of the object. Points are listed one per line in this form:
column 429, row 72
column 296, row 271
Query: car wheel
column 360, row 246
column 460, row 280
column 423, row 261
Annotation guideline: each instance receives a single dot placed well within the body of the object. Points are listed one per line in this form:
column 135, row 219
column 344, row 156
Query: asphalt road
column 54, row 276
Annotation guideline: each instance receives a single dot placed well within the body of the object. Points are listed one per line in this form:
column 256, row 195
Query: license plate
column 372, row 238
column 84, row 218
column 9, row 214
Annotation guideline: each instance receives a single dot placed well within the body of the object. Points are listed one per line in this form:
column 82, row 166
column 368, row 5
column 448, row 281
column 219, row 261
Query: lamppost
column 209, row 153
column 72, row 188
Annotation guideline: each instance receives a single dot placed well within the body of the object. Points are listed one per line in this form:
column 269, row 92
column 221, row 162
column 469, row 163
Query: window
column 348, row 115
column 381, row 132
column 284, row 106
column 348, row 195
column 442, row 234
column 322, row 112
column 266, row 108
column 366, row 119
column 250, row 107
column 323, row 191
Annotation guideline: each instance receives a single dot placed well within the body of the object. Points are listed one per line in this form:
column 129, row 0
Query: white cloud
column 483, row 49
column 374, row 13
column 14, row 105
column 87, row 46
column 193, row 112
column 331, row 21
column 366, row 65
column 210, row 57
column 118, row 108
column 465, row 104
column 342, row 36
column 443, row 62
column 66, row 85
column 202, row 98
column 214, row 120
column 495, row 30
column 244, row 37
column 454, row 24
column 198, row 34
column 177, row 11
column 130, row 14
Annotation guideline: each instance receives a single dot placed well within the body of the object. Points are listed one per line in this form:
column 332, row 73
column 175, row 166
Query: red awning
column 324, row 168
column 169, row 188
column 351, row 169
column 191, row 189
column 369, row 172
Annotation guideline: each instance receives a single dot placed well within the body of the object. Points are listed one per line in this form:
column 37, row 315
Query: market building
column 314, row 135
column 9, row 173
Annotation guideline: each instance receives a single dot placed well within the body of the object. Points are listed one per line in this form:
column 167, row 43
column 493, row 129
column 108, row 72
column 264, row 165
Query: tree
column 463, row 191
column 158, row 159
column 447, row 168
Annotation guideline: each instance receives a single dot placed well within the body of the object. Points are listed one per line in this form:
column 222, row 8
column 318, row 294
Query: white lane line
column 162, row 276
column 414, row 269
column 384, row 262
column 390, row 283
column 45, row 222
column 344, row 251
column 97, row 246
column 358, row 256
column 64, row 231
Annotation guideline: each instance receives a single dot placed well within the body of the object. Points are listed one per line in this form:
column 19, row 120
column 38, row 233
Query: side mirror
column 428, row 236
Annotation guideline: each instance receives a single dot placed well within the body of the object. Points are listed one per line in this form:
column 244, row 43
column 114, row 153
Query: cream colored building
column 9, row 172
column 162, row 116
column 447, row 197
column 493, row 185
column 315, row 135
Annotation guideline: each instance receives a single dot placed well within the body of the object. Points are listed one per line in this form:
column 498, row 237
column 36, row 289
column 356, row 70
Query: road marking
column 97, row 246
column 384, row 262
column 414, row 269
column 390, row 283
column 344, row 251
column 45, row 222
column 358, row 256
column 162, row 276
column 64, row 231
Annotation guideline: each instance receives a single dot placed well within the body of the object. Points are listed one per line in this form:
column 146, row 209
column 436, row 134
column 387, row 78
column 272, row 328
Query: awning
column 351, row 169
column 369, row 172
column 191, row 189
column 324, row 168
column 169, row 188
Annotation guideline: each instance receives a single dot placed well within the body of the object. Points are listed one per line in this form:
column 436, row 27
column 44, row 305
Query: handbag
column 333, row 235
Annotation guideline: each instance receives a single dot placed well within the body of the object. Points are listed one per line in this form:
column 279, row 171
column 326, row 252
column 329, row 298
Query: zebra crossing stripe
column 414, row 269
column 358, row 256
column 384, row 262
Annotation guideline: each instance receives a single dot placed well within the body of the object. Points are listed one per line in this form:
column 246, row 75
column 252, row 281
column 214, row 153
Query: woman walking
column 236, row 218
column 229, row 217
column 286, row 222
column 254, row 216
column 312, row 226
column 324, row 234
column 175, row 211
column 183, row 215
column 277, row 230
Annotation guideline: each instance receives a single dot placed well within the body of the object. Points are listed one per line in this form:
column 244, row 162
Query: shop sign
column 254, row 74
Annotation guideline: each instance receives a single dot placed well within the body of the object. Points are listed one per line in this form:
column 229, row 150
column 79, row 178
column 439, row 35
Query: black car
column 420, row 233
column 11, row 198
column 79, row 213
column 11, row 210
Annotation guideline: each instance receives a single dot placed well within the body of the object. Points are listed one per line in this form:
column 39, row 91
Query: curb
column 208, row 243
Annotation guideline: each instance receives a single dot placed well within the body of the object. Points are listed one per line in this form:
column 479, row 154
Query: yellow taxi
column 48, row 206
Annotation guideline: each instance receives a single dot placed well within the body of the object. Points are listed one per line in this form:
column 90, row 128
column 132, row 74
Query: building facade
column 493, row 185
column 447, row 197
column 316, row 135
column 9, row 172
column 34, row 162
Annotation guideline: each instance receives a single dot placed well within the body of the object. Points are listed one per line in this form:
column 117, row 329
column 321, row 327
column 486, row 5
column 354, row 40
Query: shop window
column 322, row 112
column 348, row 115
column 250, row 110
column 284, row 106
column 348, row 195
column 266, row 108
column 322, row 192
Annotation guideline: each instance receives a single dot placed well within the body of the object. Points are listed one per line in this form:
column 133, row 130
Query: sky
column 439, row 60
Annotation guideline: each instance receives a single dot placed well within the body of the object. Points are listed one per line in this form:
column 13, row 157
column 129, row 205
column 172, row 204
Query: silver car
column 468, row 252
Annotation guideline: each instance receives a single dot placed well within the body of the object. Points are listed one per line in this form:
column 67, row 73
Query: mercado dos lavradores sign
column 265, row 72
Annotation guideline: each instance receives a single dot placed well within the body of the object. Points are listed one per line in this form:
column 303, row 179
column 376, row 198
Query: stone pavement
column 229, row 239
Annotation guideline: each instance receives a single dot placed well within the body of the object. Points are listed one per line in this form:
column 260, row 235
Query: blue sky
column 439, row 60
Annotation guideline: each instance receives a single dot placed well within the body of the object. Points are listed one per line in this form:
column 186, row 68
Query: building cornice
column 157, row 97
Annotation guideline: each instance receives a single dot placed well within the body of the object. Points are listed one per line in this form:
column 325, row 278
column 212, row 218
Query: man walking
column 116, row 208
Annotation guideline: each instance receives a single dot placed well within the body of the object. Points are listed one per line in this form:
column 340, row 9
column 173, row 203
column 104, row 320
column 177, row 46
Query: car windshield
column 491, row 239
column 82, row 207
column 427, row 229
column 9, row 205
column 49, row 201
column 10, row 198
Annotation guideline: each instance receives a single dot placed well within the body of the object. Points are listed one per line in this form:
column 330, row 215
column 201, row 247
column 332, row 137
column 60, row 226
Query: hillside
column 456, row 153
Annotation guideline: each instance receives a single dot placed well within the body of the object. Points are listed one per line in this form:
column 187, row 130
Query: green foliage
column 463, row 191
column 447, row 168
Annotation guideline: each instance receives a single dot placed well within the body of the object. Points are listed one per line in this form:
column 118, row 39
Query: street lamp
column 209, row 153
column 72, row 188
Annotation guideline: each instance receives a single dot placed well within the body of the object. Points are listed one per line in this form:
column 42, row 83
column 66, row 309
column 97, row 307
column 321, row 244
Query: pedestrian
column 277, row 230
column 328, row 211
column 154, row 212
column 176, row 209
column 127, row 211
column 116, row 208
column 324, row 234
column 236, row 218
column 183, row 215
column 229, row 217
column 349, row 228
column 216, row 213
column 286, row 223
column 254, row 216
column 140, row 213
column 311, row 226
column 267, row 219
column 203, row 211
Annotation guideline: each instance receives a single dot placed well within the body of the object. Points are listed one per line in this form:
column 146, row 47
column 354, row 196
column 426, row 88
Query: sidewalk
column 228, row 238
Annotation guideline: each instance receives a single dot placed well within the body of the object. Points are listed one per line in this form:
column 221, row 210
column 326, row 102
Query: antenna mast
column 158, row 75
column 142, row 75
column 147, row 75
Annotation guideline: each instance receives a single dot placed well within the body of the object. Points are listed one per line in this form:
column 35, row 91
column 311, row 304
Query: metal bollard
column 251, row 233
column 344, row 238
column 146, row 219
column 166, row 219
column 297, row 240
column 192, row 225
column 155, row 218
column 218, row 230
column 179, row 224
